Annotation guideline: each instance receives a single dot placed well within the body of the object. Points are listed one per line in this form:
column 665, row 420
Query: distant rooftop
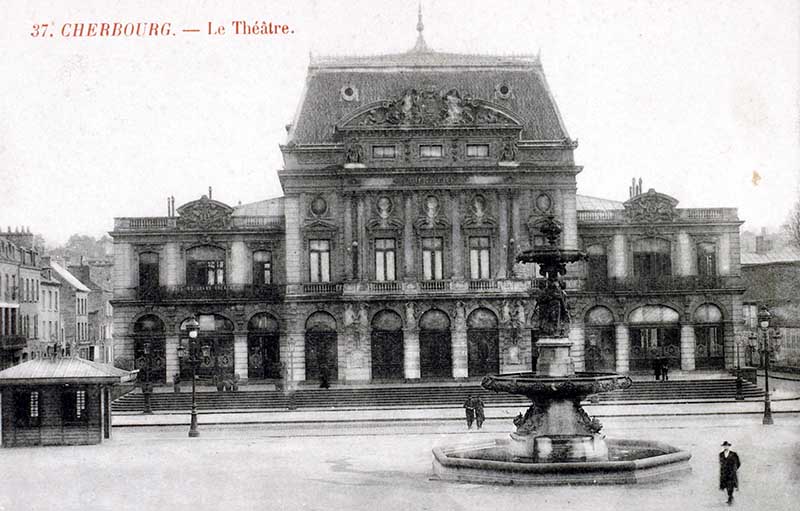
column 62, row 370
column 584, row 202
column 69, row 278
column 268, row 207
column 787, row 254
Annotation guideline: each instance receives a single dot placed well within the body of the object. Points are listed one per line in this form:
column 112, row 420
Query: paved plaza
column 384, row 466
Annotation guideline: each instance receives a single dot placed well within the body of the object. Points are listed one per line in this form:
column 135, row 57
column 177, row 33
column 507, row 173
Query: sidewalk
column 504, row 412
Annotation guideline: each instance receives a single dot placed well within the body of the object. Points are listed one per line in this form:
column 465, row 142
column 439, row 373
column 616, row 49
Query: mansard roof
column 268, row 207
column 385, row 78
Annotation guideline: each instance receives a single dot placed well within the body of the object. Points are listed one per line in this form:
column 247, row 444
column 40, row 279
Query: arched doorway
column 321, row 347
column 216, row 332
column 435, row 348
column 387, row 346
column 654, row 335
column 263, row 347
column 483, row 343
column 148, row 332
column 600, row 345
column 709, row 337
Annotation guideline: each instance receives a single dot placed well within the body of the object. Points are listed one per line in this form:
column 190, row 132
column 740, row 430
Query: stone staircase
column 420, row 396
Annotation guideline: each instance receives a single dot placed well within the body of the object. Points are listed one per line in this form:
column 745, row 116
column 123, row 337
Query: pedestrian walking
column 665, row 369
column 470, row 411
column 657, row 368
column 728, row 465
column 477, row 404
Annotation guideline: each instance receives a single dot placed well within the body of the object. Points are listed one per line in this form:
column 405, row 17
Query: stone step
column 418, row 396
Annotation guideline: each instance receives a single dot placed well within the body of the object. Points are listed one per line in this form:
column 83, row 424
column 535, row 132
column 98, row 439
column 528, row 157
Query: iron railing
column 216, row 292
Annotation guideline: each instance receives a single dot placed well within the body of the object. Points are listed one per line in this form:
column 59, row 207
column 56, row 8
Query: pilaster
column 293, row 244
column 240, row 354
column 411, row 368
column 623, row 348
column 171, row 355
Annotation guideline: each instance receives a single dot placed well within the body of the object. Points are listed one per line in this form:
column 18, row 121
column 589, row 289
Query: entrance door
column 600, row 350
column 435, row 354
column 263, row 356
column 218, row 363
column 387, row 355
column 152, row 367
column 649, row 344
column 483, row 352
column 321, row 356
column 709, row 350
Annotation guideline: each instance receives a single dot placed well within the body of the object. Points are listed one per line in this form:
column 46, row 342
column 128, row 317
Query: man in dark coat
column 728, row 465
column 470, row 410
column 477, row 403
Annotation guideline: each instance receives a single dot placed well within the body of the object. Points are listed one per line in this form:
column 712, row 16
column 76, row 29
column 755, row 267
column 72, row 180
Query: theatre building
column 410, row 183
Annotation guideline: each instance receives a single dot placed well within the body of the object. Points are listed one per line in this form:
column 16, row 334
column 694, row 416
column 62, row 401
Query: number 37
column 39, row 30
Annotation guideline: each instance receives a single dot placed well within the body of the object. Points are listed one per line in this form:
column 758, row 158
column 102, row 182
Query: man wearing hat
column 728, row 465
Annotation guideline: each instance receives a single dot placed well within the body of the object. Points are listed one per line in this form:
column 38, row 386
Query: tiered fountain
column 556, row 442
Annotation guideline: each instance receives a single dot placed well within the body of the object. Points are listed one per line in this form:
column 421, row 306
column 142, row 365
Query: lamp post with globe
column 764, row 317
column 193, row 355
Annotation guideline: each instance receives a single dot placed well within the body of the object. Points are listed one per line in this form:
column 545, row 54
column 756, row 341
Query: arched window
column 216, row 332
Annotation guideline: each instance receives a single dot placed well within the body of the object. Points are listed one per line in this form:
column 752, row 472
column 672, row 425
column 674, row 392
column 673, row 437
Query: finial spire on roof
column 420, row 46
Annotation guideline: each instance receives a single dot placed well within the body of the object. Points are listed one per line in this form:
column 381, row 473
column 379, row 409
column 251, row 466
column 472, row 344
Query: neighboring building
column 772, row 278
column 411, row 182
column 57, row 401
column 50, row 326
column 74, row 308
column 98, row 345
column 19, row 296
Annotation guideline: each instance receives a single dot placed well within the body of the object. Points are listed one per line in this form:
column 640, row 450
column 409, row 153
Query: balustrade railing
column 661, row 283
column 483, row 285
column 322, row 288
column 434, row 285
column 215, row 292
column 385, row 287
column 166, row 223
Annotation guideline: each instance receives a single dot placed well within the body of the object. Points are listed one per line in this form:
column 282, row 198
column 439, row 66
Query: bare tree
column 793, row 224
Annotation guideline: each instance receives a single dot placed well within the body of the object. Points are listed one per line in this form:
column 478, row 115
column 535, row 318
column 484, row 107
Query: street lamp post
column 764, row 317
column 739, row 383
column 147, row 389
column 193, row 358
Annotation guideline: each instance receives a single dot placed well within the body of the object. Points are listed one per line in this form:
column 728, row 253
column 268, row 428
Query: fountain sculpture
column 556, row 442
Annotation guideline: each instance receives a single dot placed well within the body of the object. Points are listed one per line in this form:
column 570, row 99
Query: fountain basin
column 630, row 461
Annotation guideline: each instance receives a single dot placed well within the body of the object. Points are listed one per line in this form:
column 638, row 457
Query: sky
column 692, row 96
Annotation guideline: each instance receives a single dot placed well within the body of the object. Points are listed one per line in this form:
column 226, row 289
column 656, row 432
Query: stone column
column 502, row 233
column 240, row 354
column 348, row 236
column 239, row 263
column 172, row 255
column 408, row 239
column 458, row 244
column 570, row 233
column 618, row 266
column 687, row 347
column 684, row 265
column 459, row 345
column 293, row 241
column 724, row 255
column 577, row 350
column 411, row 368
column 293, row 354
column 361, row 234
column 171, row 354
column 516, row 235
column 623, row 348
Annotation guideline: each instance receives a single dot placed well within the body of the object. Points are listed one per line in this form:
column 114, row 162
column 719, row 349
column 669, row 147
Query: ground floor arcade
column 356, row 342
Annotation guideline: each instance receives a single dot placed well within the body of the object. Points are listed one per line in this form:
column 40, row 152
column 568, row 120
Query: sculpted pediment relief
column 319, row 225
column 429, row 108
column 651, row 207
column 204, row 213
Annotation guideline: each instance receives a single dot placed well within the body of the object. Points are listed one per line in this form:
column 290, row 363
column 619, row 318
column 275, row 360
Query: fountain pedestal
column 554, row 359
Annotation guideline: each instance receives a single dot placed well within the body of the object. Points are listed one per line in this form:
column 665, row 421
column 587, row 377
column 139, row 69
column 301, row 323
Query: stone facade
column 392, row 253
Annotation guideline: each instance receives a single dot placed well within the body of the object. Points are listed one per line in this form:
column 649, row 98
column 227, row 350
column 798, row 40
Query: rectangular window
column 26, row 405
column 73, row 405
column 319, row 260
column 148, row 270
column 479, row 258
column 384, row 260
column 430, row 151
column 262, row 267
column 432, row 258
column 206, row 273
column 477, row 150
column 383, row 152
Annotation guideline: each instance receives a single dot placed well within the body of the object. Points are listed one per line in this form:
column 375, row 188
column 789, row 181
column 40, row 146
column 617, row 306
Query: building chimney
column 763, row 245
column 209, row 193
